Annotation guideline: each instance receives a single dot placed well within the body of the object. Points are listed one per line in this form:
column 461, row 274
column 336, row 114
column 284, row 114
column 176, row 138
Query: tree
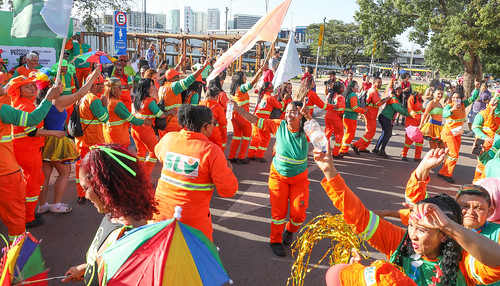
column 342, row 42
column 463, row 28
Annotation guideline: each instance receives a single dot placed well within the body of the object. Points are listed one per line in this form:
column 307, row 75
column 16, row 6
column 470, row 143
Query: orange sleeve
column 404, row 216
column 221, row 116
column 416, row 190
column 224, row 179
column 270, row 125
column 69, row 45
column 381, row 234
column 274, row 102
column 477, row 272
column 340, row 103
column 314, row 98
column 354, row 105
column 491, row 123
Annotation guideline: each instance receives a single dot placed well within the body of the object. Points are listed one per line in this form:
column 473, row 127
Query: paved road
column 242, row 223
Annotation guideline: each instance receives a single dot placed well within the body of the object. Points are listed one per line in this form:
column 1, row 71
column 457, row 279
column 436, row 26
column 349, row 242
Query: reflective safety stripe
column 129, row 117
column 337, row 144
column 371, row 227
column 223, row 144
column 236, row 138
column 455, row 120
column 177, row 105
column 252, row 148
column 493, row 149
column 159, row 113
column 260, row 123
column 278, row 221
column 143, row 116
column 448, row 157
column 366, row 140
column 479, row 126
column 419, row 144
column 243, row 103
column 344, row 144
column 141, row 158
column 6, row 138
column 262, row 148
column 31, row 199
column 23, row 121
column 478, row 170
column 152, row 160
column 89, row 122
column 263, row 112
column 115, row 123
column 290, row 160
column 77, row 181
column 340, row 109
column 295, row 223
column 473, row 269
column 324, row 106
column 246, row 138
column 104, row 117
column 181, row 82
column 407, row 145
column 348, row 109
column 186, row 185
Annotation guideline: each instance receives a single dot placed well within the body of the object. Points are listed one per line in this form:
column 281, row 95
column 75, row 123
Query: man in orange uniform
column 350, row 119
column 93, row 113
column 373, row 103
column 31, row 66
column 261, row 138
column 76, row 48
column 127, row 85
column 415, row 109
column 12, row 184
column 192, row 167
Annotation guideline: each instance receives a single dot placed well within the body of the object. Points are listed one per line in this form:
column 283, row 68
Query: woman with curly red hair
column 115, row 181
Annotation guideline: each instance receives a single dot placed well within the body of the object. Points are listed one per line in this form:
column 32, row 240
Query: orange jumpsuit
column 116, row 129
column 12, row 184
column 92, row 134
column 485, row 126
column 82, row 69
column 261, row 138
column 242, row 128
column 373, row 104
column 125, row 96
column 223, row 100
column 28, row 152
column 333, row 122
column 192, row 167
column 350, row 120
column 415, row 109
column 144, row 136
column 315, row 100
column 386, row 237
column 221, row 125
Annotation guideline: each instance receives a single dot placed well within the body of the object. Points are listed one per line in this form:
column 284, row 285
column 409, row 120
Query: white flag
column 289, row 66
column 56, row 14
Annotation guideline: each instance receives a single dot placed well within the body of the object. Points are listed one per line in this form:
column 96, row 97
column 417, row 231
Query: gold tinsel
column 342, row 236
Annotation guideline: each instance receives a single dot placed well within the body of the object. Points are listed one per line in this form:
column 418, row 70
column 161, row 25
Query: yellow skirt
column 62, row 150
column 432, row 132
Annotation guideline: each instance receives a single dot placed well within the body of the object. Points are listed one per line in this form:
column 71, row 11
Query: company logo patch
column 181, row 164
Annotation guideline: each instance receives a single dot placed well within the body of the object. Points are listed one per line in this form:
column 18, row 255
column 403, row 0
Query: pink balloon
column 414, row 133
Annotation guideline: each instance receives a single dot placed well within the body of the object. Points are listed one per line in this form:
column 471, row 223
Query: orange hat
column 99, row 80
column 378, row 273
column 15, row 85
column 171, row 73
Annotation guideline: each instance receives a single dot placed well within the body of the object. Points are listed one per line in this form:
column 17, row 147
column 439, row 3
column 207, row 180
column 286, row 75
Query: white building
column 213, row 19
column 199, row 23
column 173, row 20
column 186, row 21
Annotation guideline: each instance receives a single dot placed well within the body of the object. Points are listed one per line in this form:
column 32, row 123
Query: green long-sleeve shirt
column 122, row 111
column 153, row 107
column 10, row 115
column 474, row 96
column 182, row 85
column 393, row 106
column 99, row 111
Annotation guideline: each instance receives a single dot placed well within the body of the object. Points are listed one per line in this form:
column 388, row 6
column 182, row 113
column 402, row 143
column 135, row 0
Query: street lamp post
column 227, row 10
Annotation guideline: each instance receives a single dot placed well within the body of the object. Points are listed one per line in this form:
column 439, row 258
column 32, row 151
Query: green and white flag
column 37, row 18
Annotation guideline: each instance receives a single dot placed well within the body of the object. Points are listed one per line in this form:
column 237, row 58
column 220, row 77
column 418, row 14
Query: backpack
column 74, row 123
column 161, row 123
column 362, row 99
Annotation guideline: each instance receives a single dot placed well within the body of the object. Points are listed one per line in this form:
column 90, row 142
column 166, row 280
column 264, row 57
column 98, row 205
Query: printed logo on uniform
column 181, row 164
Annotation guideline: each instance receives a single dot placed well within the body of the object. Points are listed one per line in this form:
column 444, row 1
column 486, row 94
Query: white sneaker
column 394, row 133
column 60, row 208
column 45, row 208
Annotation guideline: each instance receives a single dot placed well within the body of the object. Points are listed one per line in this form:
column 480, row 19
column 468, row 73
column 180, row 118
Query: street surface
column 242, row 223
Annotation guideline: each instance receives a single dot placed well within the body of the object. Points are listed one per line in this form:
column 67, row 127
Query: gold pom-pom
column 342, row 236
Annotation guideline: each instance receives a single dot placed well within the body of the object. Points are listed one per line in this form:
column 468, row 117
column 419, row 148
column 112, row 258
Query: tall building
column 173, row 20
column 153, row 21
column 213, row 19
column 199, row 23
column 186, row 23
column 242, row 21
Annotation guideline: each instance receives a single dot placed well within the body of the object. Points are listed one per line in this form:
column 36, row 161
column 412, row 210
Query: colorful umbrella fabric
column 96, row 57
column 165, row 253
column 23, row 262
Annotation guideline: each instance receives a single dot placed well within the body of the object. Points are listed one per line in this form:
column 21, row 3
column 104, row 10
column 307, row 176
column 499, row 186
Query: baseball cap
column 171, row 73
column 16, row 83
column 99, row 80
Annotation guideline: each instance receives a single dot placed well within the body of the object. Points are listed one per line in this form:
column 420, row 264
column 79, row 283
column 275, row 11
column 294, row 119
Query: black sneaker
column 449, row 179
column 382, row 154
column 404, row 158
column 287, row 237
column 355, row 149
column 36, row 222
column 263, row 160
column 375, row 151
column 233, row 160
column 345, row 154
column 440, row 176
column 364, row 151
column 81, row 200
column 417, row 160
column 339, row 156
column 252, row 158
column 278, row 249
column 242, row 161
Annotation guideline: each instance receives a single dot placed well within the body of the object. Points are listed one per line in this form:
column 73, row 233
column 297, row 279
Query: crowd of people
column 182, row 122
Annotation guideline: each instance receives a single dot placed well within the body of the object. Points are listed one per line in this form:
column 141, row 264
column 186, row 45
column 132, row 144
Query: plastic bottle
column 229, row 111
column 316, row 135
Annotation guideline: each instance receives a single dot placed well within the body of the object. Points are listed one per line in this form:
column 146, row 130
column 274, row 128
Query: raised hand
column 429, row 216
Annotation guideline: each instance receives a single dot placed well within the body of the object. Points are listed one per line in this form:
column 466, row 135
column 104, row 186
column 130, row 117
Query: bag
column 362, row 99
column 457, row 131
column 477, row 147
column 161, row 123
column 414, row 133
column 74, row 123
column 275, row 113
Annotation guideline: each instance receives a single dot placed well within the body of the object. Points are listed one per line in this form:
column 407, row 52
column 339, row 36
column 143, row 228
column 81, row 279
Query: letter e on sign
column 121, row 19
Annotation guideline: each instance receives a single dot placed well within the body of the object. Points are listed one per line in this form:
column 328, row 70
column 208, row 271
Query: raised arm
column 181, row 62
column 245, row 114
column 63, row 102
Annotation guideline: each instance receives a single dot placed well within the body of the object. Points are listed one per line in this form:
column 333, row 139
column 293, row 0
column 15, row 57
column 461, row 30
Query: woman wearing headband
column 115, row 181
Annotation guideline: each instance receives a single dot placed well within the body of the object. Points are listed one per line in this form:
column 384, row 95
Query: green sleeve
column 153, row 107
column 403, row 111
column 16, row 74
column 472, row 98
column 447, row 111
column 100, row 112
column 182, row 85
column 245, row 87
column 10, row 115
column 130, row 80
column 195, row 99
column 477, row 126
column 122, row 111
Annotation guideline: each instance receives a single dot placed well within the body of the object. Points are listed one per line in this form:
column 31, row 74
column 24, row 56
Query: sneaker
column 252, row 158
column 339, row 156
column 355, row 149
column 287, row 237
column 417, row 160
column 278, row 249
column 60, row 208
column 233, row 160
column 364, row 151
column 81, row 200
column 36, row 222
column 449, row 179
column 242, row 161
column 382, row 154
column 394, row 133
column 375, row 151
column 404, row 158
column 45, row 208
column 345, row 154
column 263, row 160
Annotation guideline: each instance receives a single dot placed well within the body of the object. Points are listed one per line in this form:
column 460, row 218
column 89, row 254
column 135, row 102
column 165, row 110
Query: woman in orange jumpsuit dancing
column 211, row 101
column 333, row 118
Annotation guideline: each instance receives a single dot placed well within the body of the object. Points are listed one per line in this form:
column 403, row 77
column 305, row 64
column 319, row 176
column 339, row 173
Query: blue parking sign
column 120, row 33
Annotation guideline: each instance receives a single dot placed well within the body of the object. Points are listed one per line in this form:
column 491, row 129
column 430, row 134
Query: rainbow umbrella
column 22, row 263
column 96, row 57
column 165, row 253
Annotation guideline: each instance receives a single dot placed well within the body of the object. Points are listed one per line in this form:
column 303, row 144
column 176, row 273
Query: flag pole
column 61, row 55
